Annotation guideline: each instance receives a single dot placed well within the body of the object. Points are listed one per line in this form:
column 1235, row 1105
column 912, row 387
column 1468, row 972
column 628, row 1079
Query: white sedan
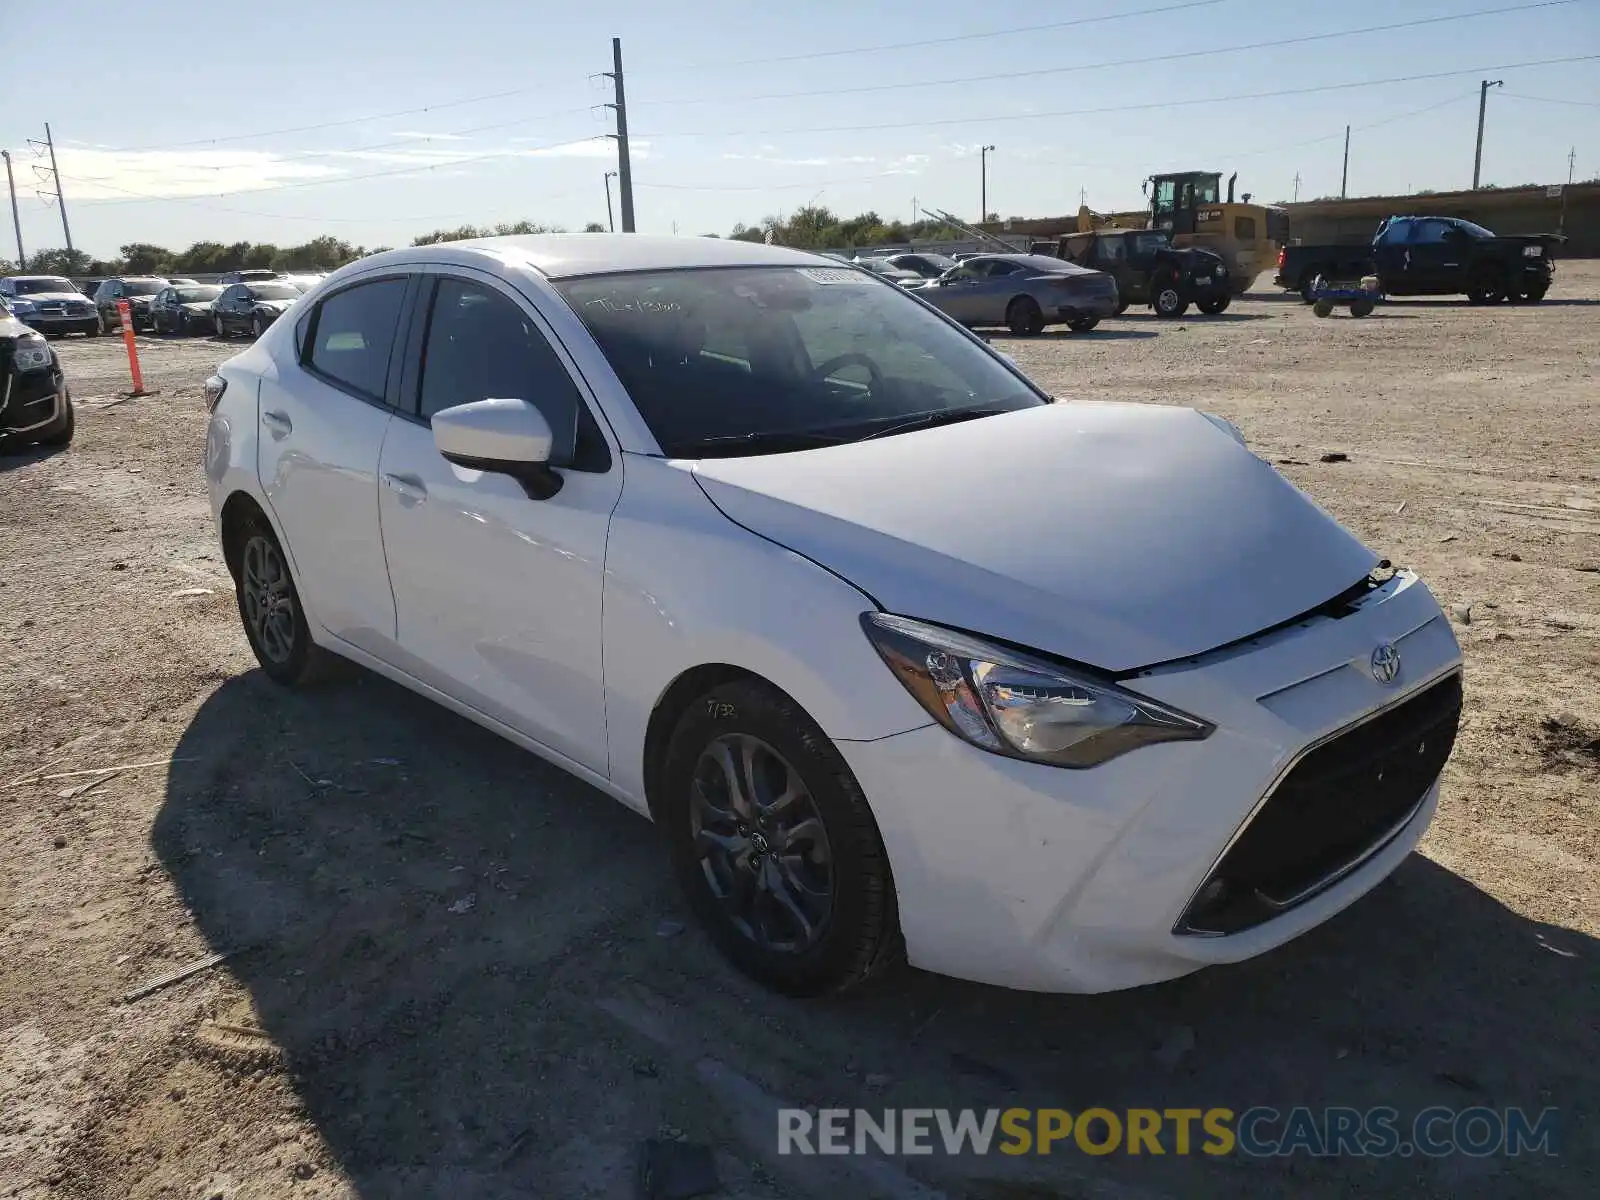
column 897, row 651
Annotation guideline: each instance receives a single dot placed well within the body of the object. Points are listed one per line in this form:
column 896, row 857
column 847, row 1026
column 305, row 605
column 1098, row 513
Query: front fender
column 685, row 587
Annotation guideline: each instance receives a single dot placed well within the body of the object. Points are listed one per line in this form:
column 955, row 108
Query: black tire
column 1487, row 285
column 1308, row 283
column 279, row 636
column 1361, row 308
column 1531, row 295
column 257, row 325
column 1082, row 324
column 858, row 932
column 1024, row 317
column 1323, row 308
column 222, row 331
column 96, row 329
column 1122, row 307
column 1214, row 305
column 1167, row 298
column 62, row 436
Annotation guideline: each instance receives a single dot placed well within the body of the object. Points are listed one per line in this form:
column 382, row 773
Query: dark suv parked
column 137, row 290
column 34, row 404
column 1150, row 270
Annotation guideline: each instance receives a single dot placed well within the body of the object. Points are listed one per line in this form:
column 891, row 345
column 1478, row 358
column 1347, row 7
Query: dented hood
column 1117, row 535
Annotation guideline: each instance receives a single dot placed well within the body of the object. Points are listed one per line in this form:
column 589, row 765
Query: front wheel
column 1024, row 317
column 1169, row 302
column 1214, row 305
column 1487, row 285
column 1361, row 308
column 1323, row 308
column 222, row 331
column 1122, row 307
column 62, row 434
column 1531, row 295
column 774, row 845
column 96, row 329
column 257, row 325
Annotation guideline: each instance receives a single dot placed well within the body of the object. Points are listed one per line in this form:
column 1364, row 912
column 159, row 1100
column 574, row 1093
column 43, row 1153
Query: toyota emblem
column 1385, row 662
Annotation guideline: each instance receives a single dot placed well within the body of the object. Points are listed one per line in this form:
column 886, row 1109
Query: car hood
column 52, row 297
column 1116, row 535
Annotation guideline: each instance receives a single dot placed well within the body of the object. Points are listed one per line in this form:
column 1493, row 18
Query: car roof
column 1040, row 261
column 568, row 255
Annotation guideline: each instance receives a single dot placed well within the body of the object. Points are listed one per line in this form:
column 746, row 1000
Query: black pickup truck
column 1431, row 256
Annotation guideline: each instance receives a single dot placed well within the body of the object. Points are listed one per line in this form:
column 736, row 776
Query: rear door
column 322, row 430
column 498, row 594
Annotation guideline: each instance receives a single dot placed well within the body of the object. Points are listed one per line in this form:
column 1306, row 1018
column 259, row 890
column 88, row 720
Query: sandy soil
column 461, row 973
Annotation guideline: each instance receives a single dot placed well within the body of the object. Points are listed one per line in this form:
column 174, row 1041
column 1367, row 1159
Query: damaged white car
column 897, row 651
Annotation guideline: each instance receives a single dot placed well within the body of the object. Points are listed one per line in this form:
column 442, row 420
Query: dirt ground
column 459, row 973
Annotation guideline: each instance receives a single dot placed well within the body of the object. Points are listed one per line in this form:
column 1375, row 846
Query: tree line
column 811, row 227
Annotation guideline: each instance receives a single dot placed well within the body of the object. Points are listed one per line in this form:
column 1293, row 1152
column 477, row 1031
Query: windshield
column 37, row 287
column 143, row 287
column 1471, row 230
column 274, row 291
column 192, row 295
column 736, row 360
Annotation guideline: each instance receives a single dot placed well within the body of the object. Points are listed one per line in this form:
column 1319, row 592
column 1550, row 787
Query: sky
column 378, row 120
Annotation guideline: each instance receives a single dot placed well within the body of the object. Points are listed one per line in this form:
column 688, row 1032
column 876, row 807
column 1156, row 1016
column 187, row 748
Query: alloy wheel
column 268, row 598
column 761, row 843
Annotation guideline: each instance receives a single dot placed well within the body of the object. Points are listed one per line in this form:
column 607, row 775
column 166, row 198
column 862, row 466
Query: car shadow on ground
column 1200, row 317
column 438, row 928
column 19, row 454
column 1463, row 302
column 1098, row 334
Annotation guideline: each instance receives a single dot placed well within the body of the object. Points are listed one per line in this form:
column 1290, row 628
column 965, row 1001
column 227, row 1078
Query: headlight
column 32, row 353
column 1010, row 703
column 19, row 306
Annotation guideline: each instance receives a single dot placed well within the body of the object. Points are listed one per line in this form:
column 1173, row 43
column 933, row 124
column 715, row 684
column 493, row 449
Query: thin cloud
column 116, row 174
column 418, row 135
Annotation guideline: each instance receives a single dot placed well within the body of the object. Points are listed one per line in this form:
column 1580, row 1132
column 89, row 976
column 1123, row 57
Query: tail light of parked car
column 1282, row 254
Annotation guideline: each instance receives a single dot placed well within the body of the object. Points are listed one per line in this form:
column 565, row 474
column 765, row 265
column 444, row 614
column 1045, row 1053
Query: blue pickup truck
column 1431, row 256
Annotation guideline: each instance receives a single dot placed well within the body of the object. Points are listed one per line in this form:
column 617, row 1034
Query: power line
column 1552, row 100
column 384, row 116
column 937, row 41
column 1116, row 108
column 1176, row 56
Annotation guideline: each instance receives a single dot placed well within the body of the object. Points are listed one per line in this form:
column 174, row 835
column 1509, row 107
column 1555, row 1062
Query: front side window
column 749, row 360
column 482, row 346
column 1429, row 233
column 355, row 331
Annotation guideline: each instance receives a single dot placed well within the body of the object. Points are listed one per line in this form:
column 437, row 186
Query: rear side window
column 354, row 333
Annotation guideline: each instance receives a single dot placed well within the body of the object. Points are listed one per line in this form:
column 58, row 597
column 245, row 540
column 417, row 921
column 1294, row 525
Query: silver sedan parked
column 1024, row 292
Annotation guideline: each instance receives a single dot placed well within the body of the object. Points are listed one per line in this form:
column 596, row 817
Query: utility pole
column 1561, row 224
column 1483, row 103
column 16, row 221
column 1297, row 187
column 55, row 177
column 610, row 221
column 1344, row 175
column 983, row 183
column 624, row 166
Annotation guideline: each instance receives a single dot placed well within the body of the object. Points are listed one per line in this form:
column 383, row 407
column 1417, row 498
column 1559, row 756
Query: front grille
column 1338, row 804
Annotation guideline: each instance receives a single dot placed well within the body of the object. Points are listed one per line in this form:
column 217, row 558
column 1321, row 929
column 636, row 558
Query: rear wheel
column 1487, row 285
column 1214, row 305
column 269, row 606
column 1361, row 308
column 1169, row 302
column 1082, row 324
column 1024, row 317
column 773, row 843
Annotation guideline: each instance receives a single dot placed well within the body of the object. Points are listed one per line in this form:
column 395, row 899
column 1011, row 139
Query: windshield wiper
column 762, row 441
column 931, row 420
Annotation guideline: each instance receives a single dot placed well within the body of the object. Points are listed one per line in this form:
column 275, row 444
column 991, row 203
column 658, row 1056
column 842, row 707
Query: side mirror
column 504, row 437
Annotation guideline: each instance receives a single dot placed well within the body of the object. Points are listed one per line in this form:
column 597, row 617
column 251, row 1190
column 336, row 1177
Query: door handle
column 408, row 487
column 277, row 422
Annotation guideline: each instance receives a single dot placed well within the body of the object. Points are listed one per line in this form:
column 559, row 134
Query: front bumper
column 61, row 322
column 1047, row 879
column 33, row 402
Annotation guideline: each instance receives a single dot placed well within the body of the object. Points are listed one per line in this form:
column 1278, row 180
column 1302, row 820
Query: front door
column 497, row 594
column 322, row 426
column 1438, row 257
